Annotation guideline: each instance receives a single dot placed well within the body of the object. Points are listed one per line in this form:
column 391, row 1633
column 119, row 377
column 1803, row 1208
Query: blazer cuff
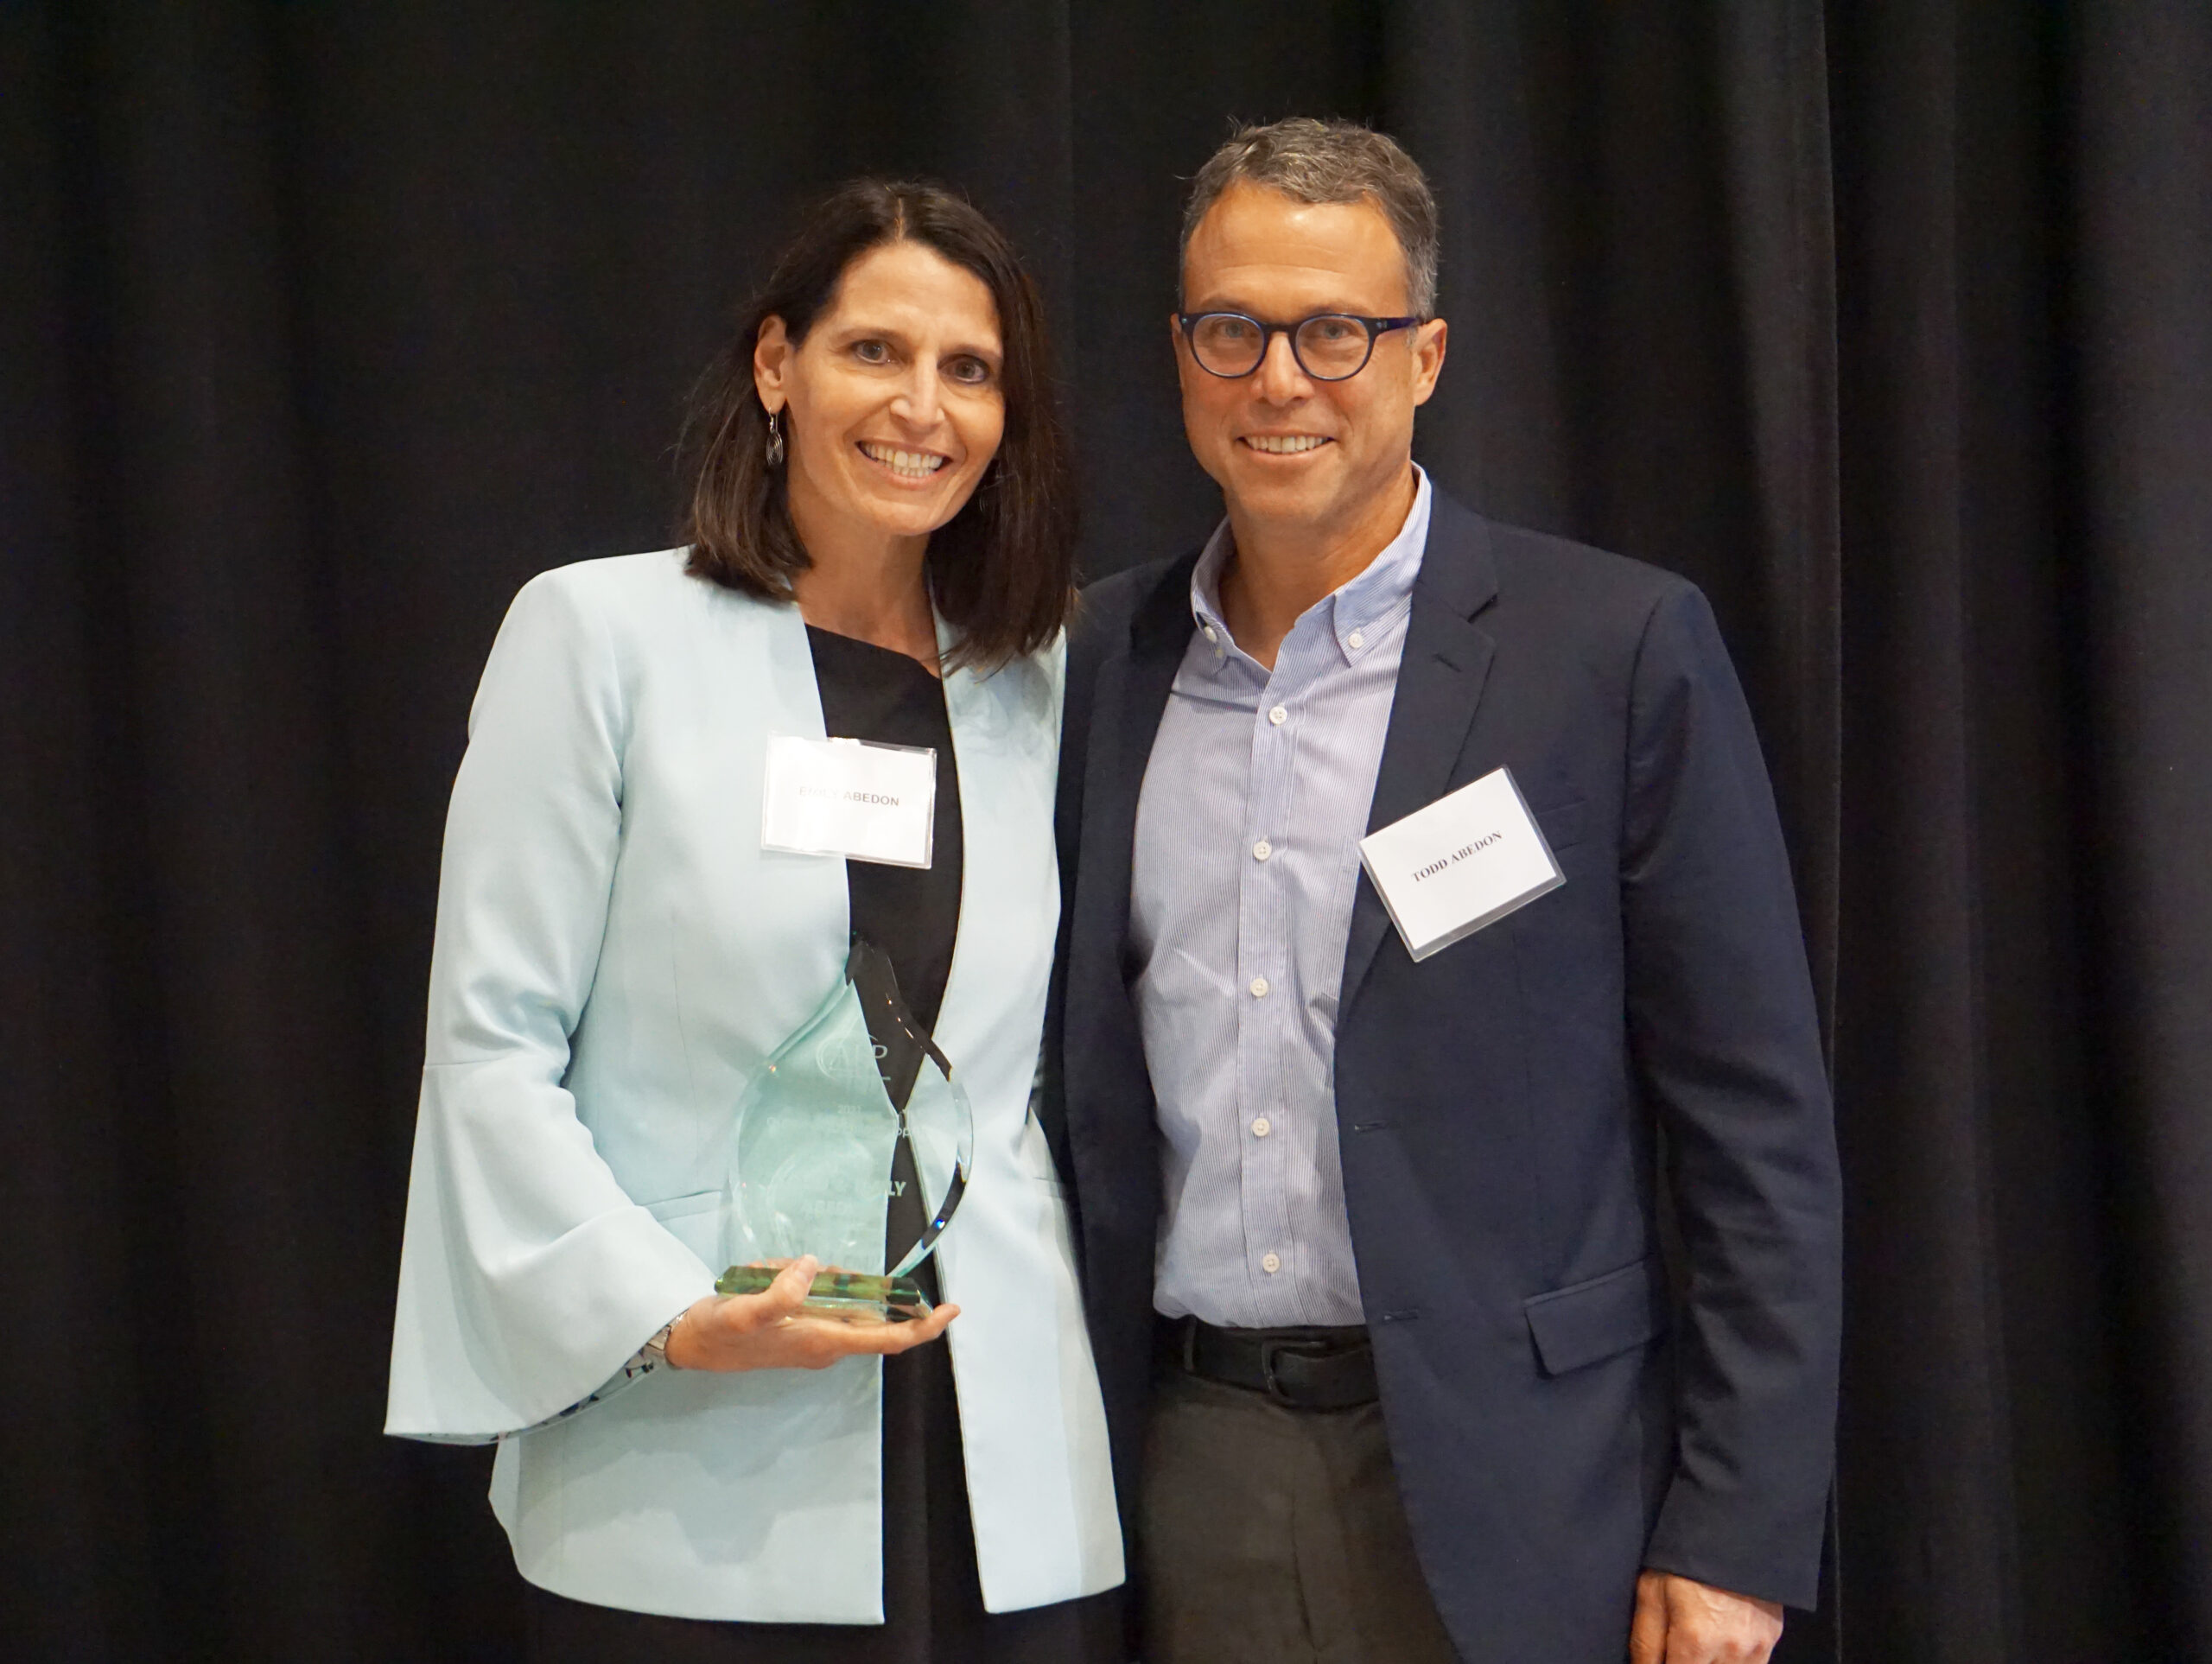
column 1768, row 1554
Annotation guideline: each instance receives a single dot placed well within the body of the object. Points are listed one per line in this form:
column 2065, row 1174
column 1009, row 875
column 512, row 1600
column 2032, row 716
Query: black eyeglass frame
column 1376, row 328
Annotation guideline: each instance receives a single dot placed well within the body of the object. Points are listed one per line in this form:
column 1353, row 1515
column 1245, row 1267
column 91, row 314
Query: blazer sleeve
column 1727, row 1042
column 527, row 1275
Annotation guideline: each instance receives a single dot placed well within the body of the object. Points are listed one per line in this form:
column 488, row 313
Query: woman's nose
column 919, row 400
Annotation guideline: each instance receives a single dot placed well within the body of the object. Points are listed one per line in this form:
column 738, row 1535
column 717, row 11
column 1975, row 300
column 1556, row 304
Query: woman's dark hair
column 1001, row 571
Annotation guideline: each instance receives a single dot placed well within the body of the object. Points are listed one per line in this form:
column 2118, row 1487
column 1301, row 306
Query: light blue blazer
column 615, row 956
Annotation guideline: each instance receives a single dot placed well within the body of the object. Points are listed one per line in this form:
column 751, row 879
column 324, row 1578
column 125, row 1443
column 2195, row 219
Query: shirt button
column 1259, row 988
column 1261, row 1127
column 1210, row 636
column 1271, row 1263
column 1279, row 716
column 1263, row 849
column 1354, row 641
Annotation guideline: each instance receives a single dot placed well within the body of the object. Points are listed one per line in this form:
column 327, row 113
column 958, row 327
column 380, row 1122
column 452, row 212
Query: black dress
column 932, row 1601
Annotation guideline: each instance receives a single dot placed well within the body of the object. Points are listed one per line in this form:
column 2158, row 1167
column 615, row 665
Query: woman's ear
column 771, row 357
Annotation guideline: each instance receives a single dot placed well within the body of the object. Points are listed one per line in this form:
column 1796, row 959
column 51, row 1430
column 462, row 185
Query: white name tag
column 1465, row 861
column 850, row 797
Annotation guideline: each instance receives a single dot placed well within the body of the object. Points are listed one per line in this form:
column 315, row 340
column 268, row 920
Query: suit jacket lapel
column 1132, row 697
column 1440, row 676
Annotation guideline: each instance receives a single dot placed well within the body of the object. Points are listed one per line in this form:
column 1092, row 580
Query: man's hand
column 767, row 1330
column 1681, row 1621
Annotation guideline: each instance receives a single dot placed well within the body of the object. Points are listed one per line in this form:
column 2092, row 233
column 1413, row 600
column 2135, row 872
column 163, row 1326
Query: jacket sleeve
column 1727, row 1042
column 527, row 1275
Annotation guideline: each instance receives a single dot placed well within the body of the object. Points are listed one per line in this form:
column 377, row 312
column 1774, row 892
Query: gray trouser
column 1276, row 1536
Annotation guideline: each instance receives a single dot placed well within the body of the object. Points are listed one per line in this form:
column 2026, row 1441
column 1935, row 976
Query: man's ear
column 1428, row 358
column 771, row 357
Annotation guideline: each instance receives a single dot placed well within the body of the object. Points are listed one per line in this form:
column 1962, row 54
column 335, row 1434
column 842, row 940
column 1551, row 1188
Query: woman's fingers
column 817, row 1343
column 903, row 1336
column 782, row 1298
column 773, row 1330
column 849, row 1336
column 779, row 1302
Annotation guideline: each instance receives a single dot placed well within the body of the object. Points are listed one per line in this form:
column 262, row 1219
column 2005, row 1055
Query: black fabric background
column 1888, row 322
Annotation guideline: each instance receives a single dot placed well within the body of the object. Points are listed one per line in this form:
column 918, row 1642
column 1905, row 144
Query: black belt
column 1304, row 1368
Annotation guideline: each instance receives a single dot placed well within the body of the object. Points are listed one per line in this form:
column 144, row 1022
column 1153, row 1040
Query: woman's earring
column 775, row 438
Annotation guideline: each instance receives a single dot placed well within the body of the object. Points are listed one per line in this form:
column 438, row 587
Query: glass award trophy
column 852, row 1144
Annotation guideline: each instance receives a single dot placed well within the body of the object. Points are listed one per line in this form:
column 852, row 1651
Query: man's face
column 1261, row 253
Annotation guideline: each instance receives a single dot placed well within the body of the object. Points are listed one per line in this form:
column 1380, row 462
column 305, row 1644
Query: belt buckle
column 1272, row 1349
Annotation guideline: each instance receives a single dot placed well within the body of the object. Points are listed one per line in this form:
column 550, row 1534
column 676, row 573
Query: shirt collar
column 1357, row 613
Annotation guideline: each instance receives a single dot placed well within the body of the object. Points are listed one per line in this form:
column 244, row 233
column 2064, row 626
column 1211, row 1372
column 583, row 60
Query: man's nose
column 1279, row 379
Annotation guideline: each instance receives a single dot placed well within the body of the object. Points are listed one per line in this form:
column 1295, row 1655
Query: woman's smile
column 901, row 462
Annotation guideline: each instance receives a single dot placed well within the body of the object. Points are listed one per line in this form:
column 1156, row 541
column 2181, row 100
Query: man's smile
column 1285, row 444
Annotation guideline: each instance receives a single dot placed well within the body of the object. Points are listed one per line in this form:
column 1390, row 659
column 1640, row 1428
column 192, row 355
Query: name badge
column 850, row 797
column 1465, row 861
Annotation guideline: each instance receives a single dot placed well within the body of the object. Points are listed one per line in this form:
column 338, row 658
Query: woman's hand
column 768, row 1331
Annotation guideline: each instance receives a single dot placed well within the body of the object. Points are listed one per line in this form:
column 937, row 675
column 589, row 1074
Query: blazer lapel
column 1440, row 676
column 1132, row 697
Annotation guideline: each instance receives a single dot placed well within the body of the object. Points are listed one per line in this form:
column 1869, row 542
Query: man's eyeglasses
column 1329, row 345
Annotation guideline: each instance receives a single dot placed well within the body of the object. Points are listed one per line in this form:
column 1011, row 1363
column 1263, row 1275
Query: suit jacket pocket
column 1562, row 824
column 1585, row 1321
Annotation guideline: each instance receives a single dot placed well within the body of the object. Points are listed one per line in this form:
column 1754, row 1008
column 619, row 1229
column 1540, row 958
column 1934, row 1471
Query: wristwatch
column 653, row 1354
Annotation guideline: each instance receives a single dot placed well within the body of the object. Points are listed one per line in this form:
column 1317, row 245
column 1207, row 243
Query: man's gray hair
column 1312, row 161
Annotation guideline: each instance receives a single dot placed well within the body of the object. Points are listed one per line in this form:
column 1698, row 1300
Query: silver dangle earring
column 775, row 438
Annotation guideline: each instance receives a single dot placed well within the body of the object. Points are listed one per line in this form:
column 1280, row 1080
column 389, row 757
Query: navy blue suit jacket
column 1512, row 1109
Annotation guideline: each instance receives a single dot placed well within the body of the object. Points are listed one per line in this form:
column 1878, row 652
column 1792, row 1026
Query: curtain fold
column 321, row 328
column 2137, row 422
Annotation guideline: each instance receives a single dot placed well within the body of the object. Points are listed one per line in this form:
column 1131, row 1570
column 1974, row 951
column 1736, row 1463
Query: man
column 1373, row 1243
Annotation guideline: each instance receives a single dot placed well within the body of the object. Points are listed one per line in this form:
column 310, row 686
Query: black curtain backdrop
column 1888, row 322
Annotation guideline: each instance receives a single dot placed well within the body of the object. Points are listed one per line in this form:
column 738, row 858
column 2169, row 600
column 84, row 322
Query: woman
column 879, row 549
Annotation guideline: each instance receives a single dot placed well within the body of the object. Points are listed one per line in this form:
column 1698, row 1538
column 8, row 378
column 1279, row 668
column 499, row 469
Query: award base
column 853, row 1296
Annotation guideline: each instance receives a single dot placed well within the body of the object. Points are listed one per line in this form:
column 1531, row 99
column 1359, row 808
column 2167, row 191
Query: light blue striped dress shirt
column 1245, row 865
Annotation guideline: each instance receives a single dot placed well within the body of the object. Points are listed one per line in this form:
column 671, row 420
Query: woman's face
column 894, row 405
